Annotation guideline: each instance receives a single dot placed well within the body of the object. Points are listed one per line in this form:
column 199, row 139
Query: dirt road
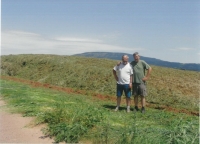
column 16, row 129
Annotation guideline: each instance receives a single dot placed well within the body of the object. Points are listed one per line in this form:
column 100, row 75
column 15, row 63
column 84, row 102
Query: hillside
column 167, row 86
column 151, row 61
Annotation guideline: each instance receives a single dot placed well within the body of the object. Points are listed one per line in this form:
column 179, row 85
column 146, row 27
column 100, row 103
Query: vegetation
column 80, row 118
column 169, row 87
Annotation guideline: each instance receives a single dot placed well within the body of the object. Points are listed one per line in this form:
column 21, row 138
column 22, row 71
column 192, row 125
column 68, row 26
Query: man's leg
column 143, row 94
column 128, row 103
column 119, row 94
column 118, row 101
column 143, row 104
column 135, row 94
column 127, row 91
column 136, row 102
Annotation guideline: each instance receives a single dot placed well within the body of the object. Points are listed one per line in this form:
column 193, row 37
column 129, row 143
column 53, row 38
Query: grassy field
column 83, row 118
column 166, row 88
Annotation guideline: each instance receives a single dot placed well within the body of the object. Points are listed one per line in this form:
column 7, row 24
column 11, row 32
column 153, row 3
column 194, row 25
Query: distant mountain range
column 151, row 61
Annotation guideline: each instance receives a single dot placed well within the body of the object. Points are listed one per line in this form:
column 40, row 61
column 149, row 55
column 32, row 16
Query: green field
column 80, row 118
column 172, row 101
column 169, row 87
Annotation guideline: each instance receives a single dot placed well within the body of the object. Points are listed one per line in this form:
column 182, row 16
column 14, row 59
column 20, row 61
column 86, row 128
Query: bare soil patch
column 17, row 129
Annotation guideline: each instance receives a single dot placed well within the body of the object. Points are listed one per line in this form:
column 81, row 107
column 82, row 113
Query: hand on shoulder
column 119, row 63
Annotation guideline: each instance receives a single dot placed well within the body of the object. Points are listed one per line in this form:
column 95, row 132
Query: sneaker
column 128, row 110
column 116, row 109
column 143, row 110
column 136, row 108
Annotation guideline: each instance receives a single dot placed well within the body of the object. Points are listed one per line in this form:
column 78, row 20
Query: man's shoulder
column 133, row 62
column 119, row 66
column 142, row 61
column 144, row 64
column 130, row 65
column 122, row 65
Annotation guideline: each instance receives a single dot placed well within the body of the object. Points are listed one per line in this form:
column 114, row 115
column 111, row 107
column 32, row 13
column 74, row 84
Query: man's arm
column 148, row 74
column 119, row 63
column 131, row 80
column 115, row 75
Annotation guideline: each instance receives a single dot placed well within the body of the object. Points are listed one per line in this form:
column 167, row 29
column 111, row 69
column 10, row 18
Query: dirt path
column 16, row 129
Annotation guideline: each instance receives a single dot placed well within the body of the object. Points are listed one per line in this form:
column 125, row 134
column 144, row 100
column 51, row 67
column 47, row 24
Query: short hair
column 125, row 56
column 136, row 53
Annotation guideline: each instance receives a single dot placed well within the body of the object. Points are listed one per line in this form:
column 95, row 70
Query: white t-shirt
column 123, row 73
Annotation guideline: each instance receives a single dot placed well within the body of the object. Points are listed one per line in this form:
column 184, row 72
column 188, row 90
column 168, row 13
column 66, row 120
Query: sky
column 164, row 29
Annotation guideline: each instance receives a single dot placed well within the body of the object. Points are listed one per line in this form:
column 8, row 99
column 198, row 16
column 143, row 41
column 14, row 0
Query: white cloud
column 72, row 39
column 19, row 42
column 182, row 49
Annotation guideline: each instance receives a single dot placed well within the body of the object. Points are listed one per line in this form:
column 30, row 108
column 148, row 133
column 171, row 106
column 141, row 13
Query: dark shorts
column 139, row 89
column 123, row 88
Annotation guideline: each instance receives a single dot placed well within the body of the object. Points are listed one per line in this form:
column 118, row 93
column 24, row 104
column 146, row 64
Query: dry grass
column 171, row 87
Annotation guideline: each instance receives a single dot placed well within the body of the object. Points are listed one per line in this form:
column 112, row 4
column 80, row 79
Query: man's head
column 125, row 59
column 136, row 56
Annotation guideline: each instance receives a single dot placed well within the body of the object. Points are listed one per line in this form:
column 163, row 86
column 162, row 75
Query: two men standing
column 135, row 78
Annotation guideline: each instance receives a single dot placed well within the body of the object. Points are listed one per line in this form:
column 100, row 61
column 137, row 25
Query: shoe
column 128, row 110
column 143, row 110
column 116, row 109
column 136, row 108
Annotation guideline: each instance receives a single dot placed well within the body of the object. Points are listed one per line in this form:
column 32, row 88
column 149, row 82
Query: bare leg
column 128, row 101
column 118, row 101
column 143, row 104
column 136, row 100
column 143, row 101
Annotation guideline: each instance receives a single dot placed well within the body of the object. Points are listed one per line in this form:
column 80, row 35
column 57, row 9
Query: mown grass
column 79, row 118
column 170, row 87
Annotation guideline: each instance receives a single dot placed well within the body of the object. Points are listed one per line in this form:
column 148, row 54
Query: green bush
column 70, row 125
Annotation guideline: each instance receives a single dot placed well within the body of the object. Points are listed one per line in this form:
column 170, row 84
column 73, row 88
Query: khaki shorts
column 139, row 89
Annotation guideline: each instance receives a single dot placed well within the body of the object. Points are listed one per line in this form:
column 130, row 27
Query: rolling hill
column 151, row 61
column 167, row 86
column 75, row 97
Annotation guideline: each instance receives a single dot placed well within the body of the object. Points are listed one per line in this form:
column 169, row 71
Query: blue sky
column 163, row 29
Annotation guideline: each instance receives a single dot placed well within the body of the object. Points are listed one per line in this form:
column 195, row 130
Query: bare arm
column 115, row 75
column 119, row 63
column 131, row 78
column 148, row 74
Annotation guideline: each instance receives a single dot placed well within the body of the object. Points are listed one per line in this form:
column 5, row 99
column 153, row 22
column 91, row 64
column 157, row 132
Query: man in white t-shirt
column 123, row 75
